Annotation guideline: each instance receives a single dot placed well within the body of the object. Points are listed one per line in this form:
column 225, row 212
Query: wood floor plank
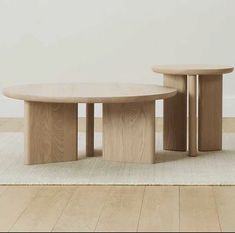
column 83, row 210
column 225, row 200
column 198, row 211
column 13, row 202
column 160, row 210
column 32, row 208
column 122, row 209
column 42, row 214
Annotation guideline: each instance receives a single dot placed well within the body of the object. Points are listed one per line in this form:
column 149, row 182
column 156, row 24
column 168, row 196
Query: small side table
column 206, row 83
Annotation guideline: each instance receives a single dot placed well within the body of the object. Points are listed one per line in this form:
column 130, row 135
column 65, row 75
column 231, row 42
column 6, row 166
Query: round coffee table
column 51, row 119
column 209, row 107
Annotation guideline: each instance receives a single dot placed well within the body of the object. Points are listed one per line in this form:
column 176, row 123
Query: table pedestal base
column 209, row 114
column 129, row 132
column 192, row 125
column 50, row 132
column 175, row 114
column 90, row 130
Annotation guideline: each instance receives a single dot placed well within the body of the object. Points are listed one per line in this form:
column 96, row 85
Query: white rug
column 172, row 168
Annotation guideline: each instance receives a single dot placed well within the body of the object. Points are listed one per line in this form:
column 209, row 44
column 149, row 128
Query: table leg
column 210, row 113
column 50, row 132
column 192, row 115
column 175, row 114
column 90, row 130
column 129, row 132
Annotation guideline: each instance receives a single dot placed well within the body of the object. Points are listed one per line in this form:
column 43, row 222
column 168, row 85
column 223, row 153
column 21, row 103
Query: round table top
column 88, row 92
column 193, row 69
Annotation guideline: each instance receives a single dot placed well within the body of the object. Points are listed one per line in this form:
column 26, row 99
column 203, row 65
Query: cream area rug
column 171, row 168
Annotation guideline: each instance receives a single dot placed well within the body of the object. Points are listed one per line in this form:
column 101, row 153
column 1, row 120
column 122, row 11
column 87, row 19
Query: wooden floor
column 115, row 208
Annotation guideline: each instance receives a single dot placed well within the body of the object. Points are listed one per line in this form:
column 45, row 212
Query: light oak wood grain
column 160, row 210
column 192, row 115
column 210, row 113
column 42, row 214
column 193, row 69
column 17, row 125
column 88, row 92
column 50, row 132
column 90, row 130
column 201, row 208
column 83, row 210
column 129, row 132
column 210, row 131
column 198, row 211
column 122, row 210
column 225, row 200
column 13, row 202
column 175, row 114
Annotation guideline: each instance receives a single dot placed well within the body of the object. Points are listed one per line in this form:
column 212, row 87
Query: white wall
column 111, row 40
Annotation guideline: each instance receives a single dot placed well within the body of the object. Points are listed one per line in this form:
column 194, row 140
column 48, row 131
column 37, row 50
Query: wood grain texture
column 210, row 113
column 88, row 92
column 83, row 210
column 122, row 210
column 192, row 115
column 194, row 69
column 198, row 211
column 50, row 132
column 42, row 214
column 225, row 200
column 17, row 125
column 160, row 209
column 175, row 114
column 129, row 132
column 90, row 130
column 13, row 202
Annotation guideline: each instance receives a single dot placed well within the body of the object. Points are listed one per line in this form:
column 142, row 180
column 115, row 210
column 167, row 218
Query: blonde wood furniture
column 90, row 129
column 51, row 120
column 209, row 107
column 131, row 127
column 50, row 132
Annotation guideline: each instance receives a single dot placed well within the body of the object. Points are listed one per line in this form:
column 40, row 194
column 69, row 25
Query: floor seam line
column 216, row 207
column 25, row 209
column 137, row 229
column 63, row 210
column 103, row 208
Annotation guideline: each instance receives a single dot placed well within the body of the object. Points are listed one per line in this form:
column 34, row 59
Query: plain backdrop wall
column 111, row 40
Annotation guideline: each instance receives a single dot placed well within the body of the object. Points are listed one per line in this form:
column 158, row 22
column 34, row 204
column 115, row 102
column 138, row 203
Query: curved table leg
column 90, row 130
column 210, row 113
column 175, row 114
column 129, row 132
column 192, row 115
column 50, row 132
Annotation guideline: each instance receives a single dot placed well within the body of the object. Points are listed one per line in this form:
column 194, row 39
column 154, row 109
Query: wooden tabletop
column 193, row 69
column 88, row 92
